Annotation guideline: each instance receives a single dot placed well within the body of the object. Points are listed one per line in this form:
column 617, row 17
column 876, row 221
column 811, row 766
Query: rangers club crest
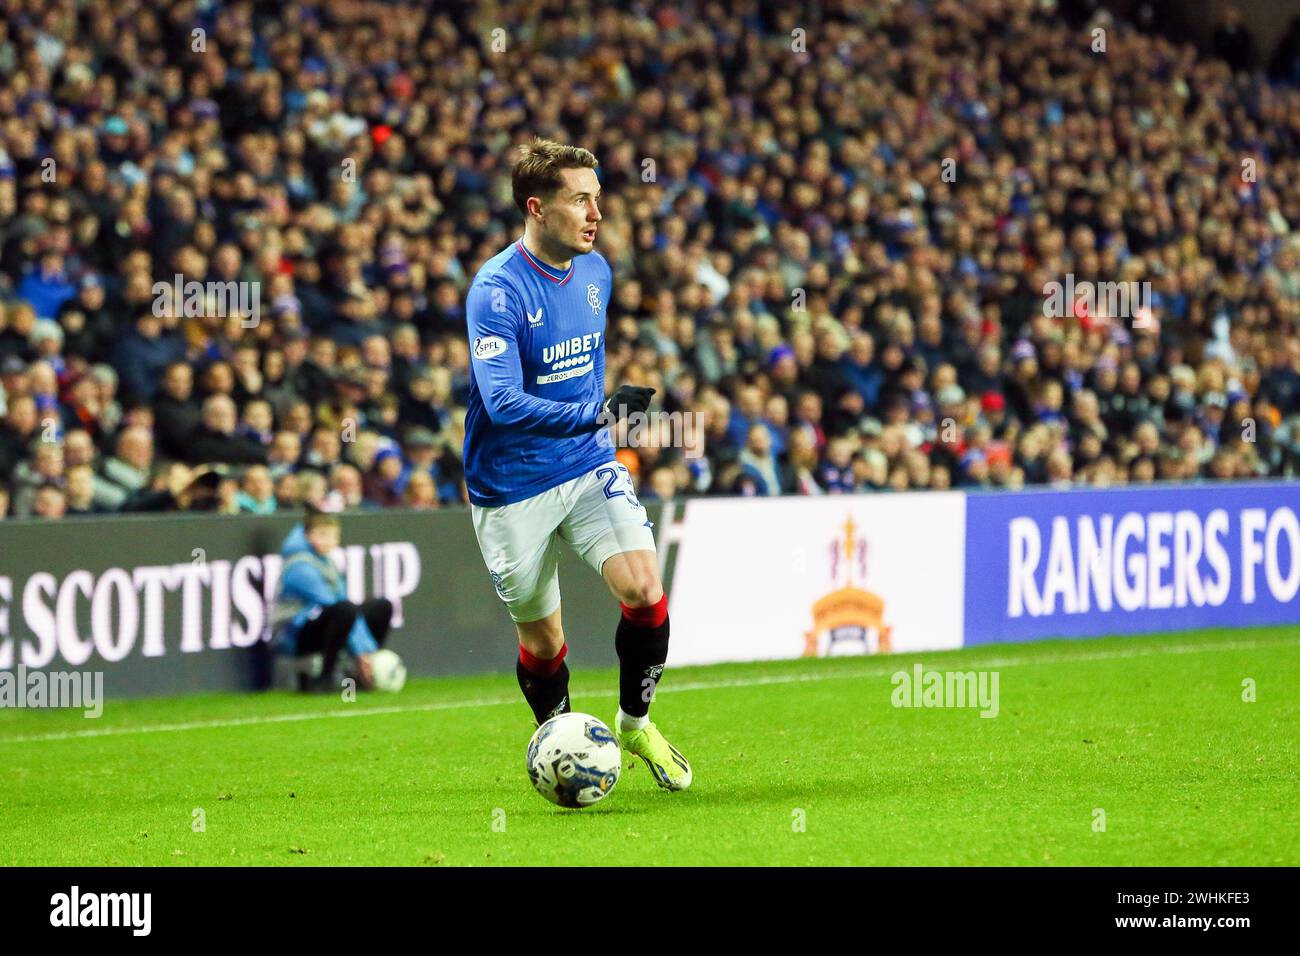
column 593, row 297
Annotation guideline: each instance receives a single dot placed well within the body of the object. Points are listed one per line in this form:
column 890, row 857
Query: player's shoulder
column 498, row 272
column 599, row 262
column 500, row 267
column 595, row 270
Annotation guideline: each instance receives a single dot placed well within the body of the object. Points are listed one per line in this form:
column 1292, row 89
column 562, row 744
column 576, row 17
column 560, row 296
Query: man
column 215, row 439
column 79, row 491
column 18, row 430
column 143, row 353
column 45, row 467
column 256, row 491
column 312, row 615
column 50, row 502
column 536, row 468
column 128, row 471
column 176, row 413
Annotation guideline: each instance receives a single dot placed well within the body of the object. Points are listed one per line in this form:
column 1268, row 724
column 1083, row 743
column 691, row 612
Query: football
column 388, row 670
column 574, row 760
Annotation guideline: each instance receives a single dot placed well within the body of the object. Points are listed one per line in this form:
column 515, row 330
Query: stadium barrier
column 173, row 604
column 170, row 604
column 1088, row 563
column 864, row 574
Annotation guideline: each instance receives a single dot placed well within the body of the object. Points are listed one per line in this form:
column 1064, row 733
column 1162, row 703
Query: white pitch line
column 879, row 671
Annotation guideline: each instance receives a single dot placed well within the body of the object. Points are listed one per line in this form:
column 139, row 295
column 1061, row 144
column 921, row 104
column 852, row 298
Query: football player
column 539, row 465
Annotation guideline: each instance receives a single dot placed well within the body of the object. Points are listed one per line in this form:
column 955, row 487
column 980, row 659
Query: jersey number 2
column 613, row 476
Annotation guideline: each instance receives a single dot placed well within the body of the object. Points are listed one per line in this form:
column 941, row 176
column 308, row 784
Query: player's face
column 570, row 219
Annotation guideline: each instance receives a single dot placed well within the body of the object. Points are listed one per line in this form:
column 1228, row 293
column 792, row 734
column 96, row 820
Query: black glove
column 628, row 400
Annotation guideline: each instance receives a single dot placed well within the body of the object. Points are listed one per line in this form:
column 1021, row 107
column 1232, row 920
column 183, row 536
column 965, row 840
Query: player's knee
column 641, row 590
column 542, row 638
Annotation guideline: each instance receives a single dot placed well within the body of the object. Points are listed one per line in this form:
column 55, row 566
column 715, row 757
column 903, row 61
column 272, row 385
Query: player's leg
column 543, row 674
column 642, row 644
column 520, row 550
column 641, row 638
column 609, row 528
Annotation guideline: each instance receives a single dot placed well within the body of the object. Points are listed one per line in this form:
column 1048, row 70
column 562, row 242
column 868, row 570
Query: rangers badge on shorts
column 498, row 583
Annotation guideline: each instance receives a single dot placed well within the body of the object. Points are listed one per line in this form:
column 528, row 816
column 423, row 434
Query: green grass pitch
column 796, row 763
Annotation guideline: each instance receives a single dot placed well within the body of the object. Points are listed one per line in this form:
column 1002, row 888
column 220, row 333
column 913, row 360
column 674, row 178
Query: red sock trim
column 650, row 616
column 541, row 666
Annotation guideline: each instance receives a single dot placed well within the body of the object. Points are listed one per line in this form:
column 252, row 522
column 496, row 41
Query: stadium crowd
column 830, row 236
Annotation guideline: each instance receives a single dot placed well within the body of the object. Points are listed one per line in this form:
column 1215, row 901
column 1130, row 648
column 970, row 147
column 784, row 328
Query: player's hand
column 628, row 400
column 365, row 672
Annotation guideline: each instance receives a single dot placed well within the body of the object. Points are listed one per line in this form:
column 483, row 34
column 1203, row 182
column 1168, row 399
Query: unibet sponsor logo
column 570, row 358
column 489, row 346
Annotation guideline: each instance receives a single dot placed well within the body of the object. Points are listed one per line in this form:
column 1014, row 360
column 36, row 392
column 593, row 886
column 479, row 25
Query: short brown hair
column 540, row 169
column 319, row 519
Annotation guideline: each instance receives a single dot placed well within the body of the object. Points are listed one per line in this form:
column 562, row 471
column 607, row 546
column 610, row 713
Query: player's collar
column 557, row 276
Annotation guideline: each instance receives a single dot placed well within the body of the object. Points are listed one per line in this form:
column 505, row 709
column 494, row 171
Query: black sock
column 642, row 647
column 545, row 684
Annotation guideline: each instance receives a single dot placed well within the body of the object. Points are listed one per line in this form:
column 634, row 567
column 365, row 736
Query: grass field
column 1153, row 731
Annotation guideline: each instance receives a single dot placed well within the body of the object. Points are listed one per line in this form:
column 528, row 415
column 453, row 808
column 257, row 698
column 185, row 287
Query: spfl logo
column 848, row 620
column 489, row 346
column 593, row 297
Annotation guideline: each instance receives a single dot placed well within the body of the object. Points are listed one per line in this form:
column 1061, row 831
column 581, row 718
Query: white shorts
column 597, row 514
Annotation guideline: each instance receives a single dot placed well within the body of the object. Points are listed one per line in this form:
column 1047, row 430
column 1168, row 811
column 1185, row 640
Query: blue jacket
column 141, row 361
column 308, row 584
column 45, row 294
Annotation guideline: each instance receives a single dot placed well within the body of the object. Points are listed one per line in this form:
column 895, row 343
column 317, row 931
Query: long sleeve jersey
column 537, row 383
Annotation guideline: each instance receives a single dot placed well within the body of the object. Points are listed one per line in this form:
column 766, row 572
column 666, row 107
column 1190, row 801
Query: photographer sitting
column 312, row 617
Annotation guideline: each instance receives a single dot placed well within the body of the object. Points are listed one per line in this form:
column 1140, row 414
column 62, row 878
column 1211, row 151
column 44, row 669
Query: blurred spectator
column 215, row 438
column 142, row 355
column 127, row 471
column 257, row 492
column 849, row 249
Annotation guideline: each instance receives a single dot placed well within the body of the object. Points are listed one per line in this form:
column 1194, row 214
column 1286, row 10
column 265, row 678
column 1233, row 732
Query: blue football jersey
column 537, row 374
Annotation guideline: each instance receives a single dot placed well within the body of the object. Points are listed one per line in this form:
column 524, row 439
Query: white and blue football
column 574, row 760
